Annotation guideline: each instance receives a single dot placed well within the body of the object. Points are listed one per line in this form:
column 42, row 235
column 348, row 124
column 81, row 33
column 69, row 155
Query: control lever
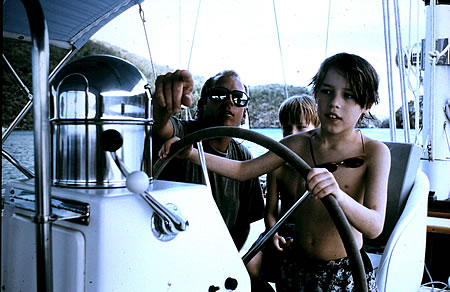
column 138, row 182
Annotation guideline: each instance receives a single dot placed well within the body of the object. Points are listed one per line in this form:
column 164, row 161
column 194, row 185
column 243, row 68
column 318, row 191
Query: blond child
column 296, row 114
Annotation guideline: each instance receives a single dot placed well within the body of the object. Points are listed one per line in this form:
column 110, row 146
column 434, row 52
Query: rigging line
column 418, row 77
column 411, row 69
column 195, row 30
column 281, row 53
column 431, row 129
column 141, row 14
column 401, row 71
column 409, row 24
column 388, row 49
column 179, row 33
column 409, row 49
column 446, row 135
column 328, row 28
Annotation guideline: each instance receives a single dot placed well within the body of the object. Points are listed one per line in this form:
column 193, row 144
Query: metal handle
column 111, row 141
column 169, row 218
column 258, row 245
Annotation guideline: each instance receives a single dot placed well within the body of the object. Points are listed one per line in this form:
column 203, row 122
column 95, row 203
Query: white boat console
column 114, row 246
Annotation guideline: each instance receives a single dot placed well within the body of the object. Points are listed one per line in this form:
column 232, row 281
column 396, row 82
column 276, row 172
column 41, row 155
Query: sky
column 242, row 35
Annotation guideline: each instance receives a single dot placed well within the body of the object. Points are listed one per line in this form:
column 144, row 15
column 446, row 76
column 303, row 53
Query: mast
column 436, row 163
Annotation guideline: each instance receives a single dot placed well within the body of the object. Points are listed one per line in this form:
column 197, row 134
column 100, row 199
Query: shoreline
column 20, row 145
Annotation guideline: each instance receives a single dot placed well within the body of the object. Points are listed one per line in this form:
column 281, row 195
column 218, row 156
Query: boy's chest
column 290, row 183
column 351, row 181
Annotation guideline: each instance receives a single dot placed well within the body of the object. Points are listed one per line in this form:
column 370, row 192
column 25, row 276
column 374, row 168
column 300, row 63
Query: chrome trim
column 40, row 63
column 63, row 209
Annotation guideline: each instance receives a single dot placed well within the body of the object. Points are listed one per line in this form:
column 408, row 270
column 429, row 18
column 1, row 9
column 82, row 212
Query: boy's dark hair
column 298, row 108
column 361, row 76
column 210, row 84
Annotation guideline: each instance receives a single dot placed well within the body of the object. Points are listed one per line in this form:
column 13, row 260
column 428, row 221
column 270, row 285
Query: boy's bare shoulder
column 373, row 143
column 376, row 149
column 297, row 140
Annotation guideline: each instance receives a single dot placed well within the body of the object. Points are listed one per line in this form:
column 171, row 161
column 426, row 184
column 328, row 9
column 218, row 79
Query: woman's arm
column 234, row 169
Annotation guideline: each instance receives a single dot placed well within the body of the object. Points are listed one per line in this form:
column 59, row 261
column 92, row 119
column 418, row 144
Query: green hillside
column 263, row 108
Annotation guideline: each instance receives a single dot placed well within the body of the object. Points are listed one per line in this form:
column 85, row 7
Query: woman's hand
column 173, row 90
column 280, row 242
column 321, row 183
column 165, row 150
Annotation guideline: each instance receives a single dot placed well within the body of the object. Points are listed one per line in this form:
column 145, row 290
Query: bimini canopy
column 70, row 23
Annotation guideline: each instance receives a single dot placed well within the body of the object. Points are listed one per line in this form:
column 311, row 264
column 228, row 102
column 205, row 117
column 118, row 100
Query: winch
column 89, row 96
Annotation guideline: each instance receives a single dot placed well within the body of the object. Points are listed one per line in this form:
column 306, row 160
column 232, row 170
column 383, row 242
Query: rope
column 387, row 46
column 328, row 28
column 193, row 37
column 432, row 83
column 446, row 135
column 414, row 69
column 279, row 47
column 179, row 33
column 418, row 78
column 141, row 14
column 401, row 71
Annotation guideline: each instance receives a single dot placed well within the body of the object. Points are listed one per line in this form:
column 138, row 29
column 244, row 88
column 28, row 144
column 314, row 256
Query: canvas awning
column 70, row 23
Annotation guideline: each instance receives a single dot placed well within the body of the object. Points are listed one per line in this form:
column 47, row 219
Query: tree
column 265, row 101
column 412, row 116
column 18, row 54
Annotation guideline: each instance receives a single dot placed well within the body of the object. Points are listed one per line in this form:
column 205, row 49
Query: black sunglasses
column 353, row 162
column 219, row 94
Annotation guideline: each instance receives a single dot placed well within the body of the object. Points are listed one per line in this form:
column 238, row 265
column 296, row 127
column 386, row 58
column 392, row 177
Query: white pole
column 436, row 162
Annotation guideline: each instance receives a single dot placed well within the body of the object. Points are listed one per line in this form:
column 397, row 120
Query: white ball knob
column 137, row 182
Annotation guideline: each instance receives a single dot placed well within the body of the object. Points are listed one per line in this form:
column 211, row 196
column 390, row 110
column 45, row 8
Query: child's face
column 290, row 129
column 337, row 108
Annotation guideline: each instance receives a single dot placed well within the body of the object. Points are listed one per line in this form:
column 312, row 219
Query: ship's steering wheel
column 297, row 163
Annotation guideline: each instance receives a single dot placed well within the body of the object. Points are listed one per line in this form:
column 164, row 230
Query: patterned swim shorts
column 301, row 274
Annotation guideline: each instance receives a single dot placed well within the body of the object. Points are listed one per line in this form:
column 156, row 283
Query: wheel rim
column 330, row 202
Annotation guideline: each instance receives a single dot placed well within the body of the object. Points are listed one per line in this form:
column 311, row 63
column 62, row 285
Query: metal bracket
column 62, row 209
column 441, row 53
column 162, row 228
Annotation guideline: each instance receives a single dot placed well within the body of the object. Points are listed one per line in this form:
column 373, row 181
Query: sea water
column 20, row 145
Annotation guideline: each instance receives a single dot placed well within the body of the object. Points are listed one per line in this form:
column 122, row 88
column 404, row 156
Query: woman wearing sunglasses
column 346, row 164
column 223, row 102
